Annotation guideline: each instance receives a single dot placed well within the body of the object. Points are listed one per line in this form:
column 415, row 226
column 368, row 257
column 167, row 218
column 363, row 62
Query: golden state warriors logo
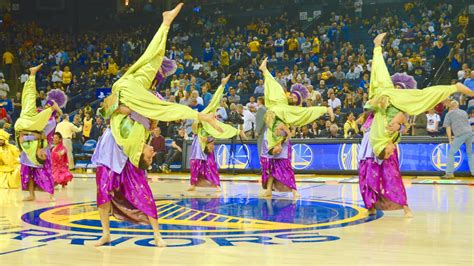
column 229, row 156
column 439, row 157
column 302, row 156
column 210, row 216
column 348, row 156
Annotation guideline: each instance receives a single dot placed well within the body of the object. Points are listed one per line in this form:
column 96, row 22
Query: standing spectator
column 87, row 128
column 469, row 82
column 233, row 98
column 208, row 54
column 67, row 77
column 260, row 123
column 279, row 47
column 67, row 129
column 251, row 104
column 176, row 151
column 260, row 89
column 98, row 128
column 158, row 144
column 457, row 122
column 463, row 20
column 440, row 52
column 225, row 59
column 206, row 95
column 269, row 46
column 249, row 121
column 8, row 59
column 4, row 88
column 306, row 46
column 57, row 76
column 293, row 46
column 432, row 123
column 254, row 47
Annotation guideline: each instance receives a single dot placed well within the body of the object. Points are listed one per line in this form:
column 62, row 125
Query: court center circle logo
column 211, row 216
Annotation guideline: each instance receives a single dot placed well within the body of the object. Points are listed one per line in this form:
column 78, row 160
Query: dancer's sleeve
column 227, row 133
column 415, row 102
column 130, row 136
column 148, row 105
column 156, row 49
column 215, row 101
column 274, row 93
column 298, row 116
column 30, row 119
column 379, row 75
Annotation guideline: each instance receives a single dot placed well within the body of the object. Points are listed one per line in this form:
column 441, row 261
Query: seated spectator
column 98, row 128
column 259, row 90
column 158, row 144
column 334, row 102
column 176, row 151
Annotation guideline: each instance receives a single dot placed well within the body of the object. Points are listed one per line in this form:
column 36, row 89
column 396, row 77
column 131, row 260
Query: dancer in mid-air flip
column 33, row 130
column 277, row 172
column 380, row 180
column 203, row 166
column 123, row 154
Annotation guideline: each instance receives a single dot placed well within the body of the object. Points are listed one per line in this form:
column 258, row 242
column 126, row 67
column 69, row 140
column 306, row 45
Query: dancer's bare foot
column 372, row 211
column 192, row 188
column 29, row 198
column 159, row 242
column 464, row 89
column 35, row 69
column 225, row 80
column 266, row 194
column 169, row 16
column 209, row 118
column 408, row 212
column 52, row 198
column 219, row 189
column 296, row 194
column 263, row 65
column 378, row 40
column 102, row 241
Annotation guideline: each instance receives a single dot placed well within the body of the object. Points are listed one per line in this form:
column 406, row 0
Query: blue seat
column 84, row 158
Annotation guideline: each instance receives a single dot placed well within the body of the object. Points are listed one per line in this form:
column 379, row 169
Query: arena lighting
column 126, row 3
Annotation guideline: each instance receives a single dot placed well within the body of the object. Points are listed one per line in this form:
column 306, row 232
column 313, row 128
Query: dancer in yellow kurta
column 133, row 89
column 31, row 131
column 384, row 97
column 203, row 166
column 9, row 162
column 275, row 159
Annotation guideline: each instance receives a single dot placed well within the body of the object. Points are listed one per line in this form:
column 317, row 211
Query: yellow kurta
column 276, row 101
column 133, row 89
column 409, row 101
column 9, row 163
column 130, row 135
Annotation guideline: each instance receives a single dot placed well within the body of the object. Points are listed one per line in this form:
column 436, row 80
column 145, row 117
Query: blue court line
column 13, row 251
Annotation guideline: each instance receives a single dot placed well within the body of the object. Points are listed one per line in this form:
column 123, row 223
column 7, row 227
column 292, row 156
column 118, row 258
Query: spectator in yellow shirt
column 225, row 59
column 316, row 44
column 350, row 127
column 113, row 67
column 87, row 126
column 463, row 20
column 254, row 47
column 67, row 76
column 8, row 62
column 293, row 46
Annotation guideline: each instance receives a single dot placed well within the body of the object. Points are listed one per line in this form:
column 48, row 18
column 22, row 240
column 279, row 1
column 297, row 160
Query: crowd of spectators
column 331, row 58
